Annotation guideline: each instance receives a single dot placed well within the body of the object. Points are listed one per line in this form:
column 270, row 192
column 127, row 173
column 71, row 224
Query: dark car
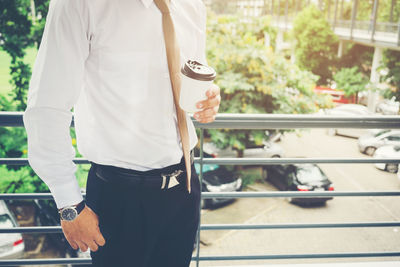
column 299, row 177
column 217, row 178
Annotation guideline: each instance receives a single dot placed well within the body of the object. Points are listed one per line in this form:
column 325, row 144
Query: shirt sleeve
column 55, row 84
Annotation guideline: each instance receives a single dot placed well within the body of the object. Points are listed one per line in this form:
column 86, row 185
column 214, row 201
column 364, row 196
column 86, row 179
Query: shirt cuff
column 66, row 194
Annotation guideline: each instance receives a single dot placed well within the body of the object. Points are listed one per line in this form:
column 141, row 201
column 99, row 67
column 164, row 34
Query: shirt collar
column 147, row 3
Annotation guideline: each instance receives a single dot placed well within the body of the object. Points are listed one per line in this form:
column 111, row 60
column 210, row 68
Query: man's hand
column 84, row 232
column 209, row 106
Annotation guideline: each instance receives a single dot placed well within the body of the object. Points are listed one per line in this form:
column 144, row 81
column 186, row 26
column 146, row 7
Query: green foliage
column 253, row 79
column 20, row 181
column 316, row 44
column 249, row 178
column 351, row 81
column 17, row 34
column 20, row 73
column 356, row 55
column 391, row 60
column 365, row 8
column 82, row 174
column 20, row 30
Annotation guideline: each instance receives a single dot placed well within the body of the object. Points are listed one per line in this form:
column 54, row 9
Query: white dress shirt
column 107, row 60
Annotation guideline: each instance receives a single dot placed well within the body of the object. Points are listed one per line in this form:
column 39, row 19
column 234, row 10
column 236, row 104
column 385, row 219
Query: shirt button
column 166, row 75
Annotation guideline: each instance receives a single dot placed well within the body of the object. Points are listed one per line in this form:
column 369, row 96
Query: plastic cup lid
column 198, row 71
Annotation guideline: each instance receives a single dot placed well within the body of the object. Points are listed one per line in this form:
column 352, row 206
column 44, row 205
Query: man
column 107, row 60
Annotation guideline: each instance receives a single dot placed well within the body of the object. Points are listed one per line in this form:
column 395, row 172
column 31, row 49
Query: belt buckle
column 173, row 181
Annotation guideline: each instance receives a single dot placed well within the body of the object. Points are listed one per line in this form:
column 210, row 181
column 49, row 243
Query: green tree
column 391, row 60
column 253, row 79
column 15, row 28
column 316, row 44
column 356, row 55
column 351, row 81
column 20, row 30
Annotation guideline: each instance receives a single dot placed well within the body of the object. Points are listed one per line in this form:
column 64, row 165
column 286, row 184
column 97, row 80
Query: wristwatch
column 70, row 213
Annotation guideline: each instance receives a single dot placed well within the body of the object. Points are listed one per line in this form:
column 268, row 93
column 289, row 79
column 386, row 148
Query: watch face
column 68, row 214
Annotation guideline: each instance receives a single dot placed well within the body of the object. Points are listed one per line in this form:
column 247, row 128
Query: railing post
column 286, row 12
column 353, row 17
column 334, row 20
column 201, row 190
column 272, row 8
column 341, row 10
column 279, row 12
column 391, row 11
column 398, row 33
column 373, row 20
column 328, row 10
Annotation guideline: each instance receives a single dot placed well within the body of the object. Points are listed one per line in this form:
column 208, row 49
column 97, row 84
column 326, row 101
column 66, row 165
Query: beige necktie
column 174, row 67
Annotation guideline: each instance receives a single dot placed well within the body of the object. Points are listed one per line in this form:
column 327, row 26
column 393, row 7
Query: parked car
column 11, row 245
column 217, row 178
column 47, row 215
column 348, row 110
column 398, row 172
column 266, row 150
column 299, row 177
column 385, row 152
column 369, row 142
column 388, row 107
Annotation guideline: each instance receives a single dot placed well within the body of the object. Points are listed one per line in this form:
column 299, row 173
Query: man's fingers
column 99, row 239
column 73, row 244
column 208, row 119
column 82, row 246
column 92, row 245
column 210, row 112
column 213, row 91
column 209, row 103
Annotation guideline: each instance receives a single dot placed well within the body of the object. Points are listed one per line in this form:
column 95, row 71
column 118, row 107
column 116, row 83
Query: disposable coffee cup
column 196, row 80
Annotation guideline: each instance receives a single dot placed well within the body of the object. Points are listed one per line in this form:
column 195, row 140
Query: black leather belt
column 162, row 179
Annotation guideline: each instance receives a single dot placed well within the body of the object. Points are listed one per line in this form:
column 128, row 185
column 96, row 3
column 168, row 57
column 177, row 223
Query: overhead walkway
column 386, row 35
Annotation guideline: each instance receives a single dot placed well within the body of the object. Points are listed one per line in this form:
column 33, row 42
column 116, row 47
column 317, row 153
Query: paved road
column 346, row 177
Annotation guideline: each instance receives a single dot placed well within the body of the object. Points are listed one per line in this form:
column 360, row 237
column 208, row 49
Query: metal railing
column 242, row 121
column 369, row 31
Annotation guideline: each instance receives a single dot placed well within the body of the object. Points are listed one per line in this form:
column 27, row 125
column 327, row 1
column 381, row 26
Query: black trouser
column 142, row 226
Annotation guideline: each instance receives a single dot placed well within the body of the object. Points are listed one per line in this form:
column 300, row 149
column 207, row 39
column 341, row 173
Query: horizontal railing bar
column 267, row 121
column 206, row 195
column 295, row 226
column 24, row 161
column 245, row 161
column 210, row 258
column 272, row 161
column 32, row 230
column 57, row 229
column 77, row 261
column 300, row 256
column 27, row 196
column 295, row 194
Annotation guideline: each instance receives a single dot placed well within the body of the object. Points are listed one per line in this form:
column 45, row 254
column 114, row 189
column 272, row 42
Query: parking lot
column 345, row 177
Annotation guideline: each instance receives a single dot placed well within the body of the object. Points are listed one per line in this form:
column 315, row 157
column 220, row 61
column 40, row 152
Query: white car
column 267, row 150
column 348, row 110
column 370, row 142
column 398, row 171
column 386, row 152
column 388, row 107
column 11, row 245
